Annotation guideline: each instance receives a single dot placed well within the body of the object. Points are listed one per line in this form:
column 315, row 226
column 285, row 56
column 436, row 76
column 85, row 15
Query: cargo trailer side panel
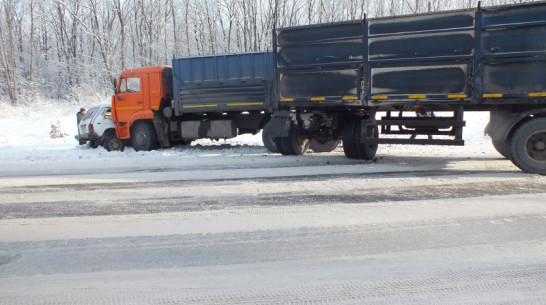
column 425, row 57
column 321, row 64
column 513, row 53
column 224, row 83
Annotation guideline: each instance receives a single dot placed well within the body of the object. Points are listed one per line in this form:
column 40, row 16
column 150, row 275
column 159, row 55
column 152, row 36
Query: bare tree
column 31, row 6
column 7, row 51
column 186, row 20
column 175, row 28
column 122, row 19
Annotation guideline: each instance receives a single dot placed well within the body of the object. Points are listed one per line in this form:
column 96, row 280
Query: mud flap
column 502, row 120
column 368, row 132
column 279, row 126
column 161, row 130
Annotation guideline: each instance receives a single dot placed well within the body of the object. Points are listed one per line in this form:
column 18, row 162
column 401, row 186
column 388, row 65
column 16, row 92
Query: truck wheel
column 94, row 143
column 349, row 147
column 352, row 146
column 368, row 151
column 269, row 143
column 323, row 146
column 528, row 146
column 293, row 144
column 143, row 136
column 502, row 147
column 111, row 143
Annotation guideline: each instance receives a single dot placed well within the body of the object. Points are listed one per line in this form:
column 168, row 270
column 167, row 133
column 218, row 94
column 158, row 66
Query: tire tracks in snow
column 483, row 285
column 149, row 197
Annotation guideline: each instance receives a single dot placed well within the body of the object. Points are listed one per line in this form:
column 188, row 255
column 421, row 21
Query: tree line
column 71, row 49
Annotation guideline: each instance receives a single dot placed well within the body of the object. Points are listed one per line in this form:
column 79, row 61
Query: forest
column 72, row 50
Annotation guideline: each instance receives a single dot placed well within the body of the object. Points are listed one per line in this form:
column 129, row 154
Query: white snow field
column 25, row 143
column 227, row 222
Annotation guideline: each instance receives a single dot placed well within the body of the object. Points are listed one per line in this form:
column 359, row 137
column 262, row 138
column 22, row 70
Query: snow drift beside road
column 25, row 142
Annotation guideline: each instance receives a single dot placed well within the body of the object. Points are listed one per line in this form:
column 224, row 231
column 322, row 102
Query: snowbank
column 25, row 142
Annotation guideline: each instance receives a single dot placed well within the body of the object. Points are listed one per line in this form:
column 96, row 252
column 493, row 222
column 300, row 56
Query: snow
column 25, row 142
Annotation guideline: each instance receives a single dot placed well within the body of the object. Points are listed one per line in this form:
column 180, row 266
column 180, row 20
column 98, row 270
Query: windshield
column 90, row 113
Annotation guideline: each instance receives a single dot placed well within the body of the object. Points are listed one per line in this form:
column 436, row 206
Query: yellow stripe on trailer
column 290, row 99
column 456, row 96
column 350, row 98
column 492, row 95
column 537, row 94
column 318, row 99
column 380, row 97
column 245, row 104
column 200, row 106
column 417, row 96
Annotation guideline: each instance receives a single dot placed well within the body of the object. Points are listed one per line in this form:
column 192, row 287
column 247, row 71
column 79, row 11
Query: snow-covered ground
column 25, row 142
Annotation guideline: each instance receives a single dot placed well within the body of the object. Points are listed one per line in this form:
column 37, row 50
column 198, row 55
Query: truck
column 395, row 80
column 410, row 79
column 216, row 97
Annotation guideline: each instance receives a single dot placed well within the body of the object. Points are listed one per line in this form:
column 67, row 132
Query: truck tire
column 293, row 144
column 111, row 143
column 269, row 143
column 352, row 146
column 143, row 136
column 323, row 146
column 528, row 146
column 349, row 147
column 94, row 143
column 502, row 147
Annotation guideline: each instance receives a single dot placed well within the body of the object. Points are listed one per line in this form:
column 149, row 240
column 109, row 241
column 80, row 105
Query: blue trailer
column 223, row 83
column 333, row 80
column 222, row 96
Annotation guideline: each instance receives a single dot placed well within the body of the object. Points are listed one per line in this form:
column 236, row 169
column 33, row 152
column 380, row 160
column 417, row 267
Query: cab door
column 129, row 100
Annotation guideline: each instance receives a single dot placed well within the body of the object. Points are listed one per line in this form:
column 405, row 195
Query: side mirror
column 115, row 85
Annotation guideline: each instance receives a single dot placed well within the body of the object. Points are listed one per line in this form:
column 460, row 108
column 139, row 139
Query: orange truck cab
column 140, row 92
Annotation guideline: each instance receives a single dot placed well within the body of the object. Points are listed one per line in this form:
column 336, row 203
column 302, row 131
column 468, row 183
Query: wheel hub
column 115, row 145
column 536, row 146
column 141, row 139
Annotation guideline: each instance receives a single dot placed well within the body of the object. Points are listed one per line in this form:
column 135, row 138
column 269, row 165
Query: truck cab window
column 130, row 85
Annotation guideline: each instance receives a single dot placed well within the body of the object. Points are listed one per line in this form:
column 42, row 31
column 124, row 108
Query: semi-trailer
column 387, row 80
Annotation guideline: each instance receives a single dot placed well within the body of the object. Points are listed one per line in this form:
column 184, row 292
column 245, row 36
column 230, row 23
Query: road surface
column 263, row 229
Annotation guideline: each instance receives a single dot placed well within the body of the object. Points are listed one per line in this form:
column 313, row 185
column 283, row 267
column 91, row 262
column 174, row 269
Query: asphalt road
column 282, row 231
